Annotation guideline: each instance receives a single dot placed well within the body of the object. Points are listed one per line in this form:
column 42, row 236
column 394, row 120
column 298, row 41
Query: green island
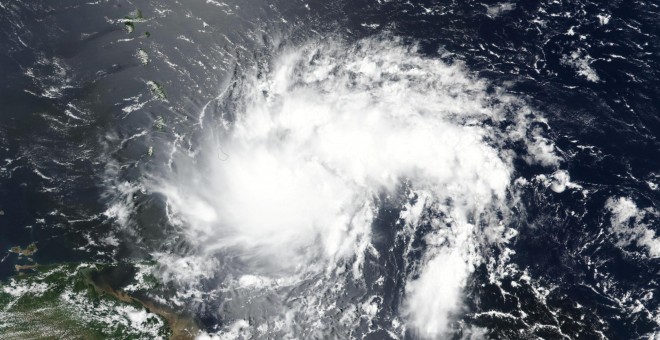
column 130, row 20
column 157, row 90
column 28, row 251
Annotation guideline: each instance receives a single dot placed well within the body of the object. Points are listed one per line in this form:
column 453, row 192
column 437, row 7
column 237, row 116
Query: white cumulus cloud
column 289, row 185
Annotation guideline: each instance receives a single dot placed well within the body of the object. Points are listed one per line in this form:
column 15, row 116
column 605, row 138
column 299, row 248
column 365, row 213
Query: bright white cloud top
column 290, row 185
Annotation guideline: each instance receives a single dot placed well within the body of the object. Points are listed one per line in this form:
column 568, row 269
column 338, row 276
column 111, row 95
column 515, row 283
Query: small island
column 27, row 251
